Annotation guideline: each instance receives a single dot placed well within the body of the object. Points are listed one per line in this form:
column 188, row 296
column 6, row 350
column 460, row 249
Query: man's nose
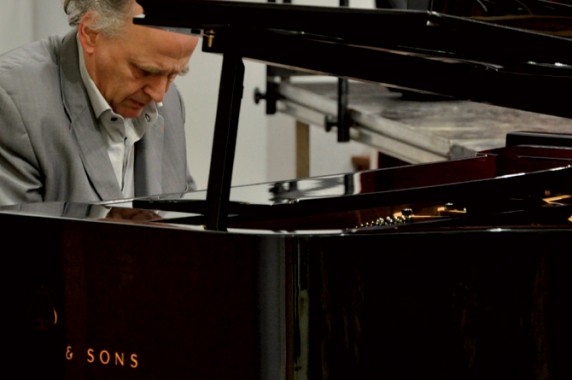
column 156, row 87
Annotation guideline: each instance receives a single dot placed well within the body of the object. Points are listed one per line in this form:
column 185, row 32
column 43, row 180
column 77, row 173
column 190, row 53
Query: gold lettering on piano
column 105, row 357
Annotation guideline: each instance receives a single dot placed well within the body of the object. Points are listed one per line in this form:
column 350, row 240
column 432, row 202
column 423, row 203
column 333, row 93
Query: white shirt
column 120, row 133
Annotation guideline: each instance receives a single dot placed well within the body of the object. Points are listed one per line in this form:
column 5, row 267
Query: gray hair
column 110, row 15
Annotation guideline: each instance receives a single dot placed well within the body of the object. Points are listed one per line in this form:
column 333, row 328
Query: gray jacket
column 50, row 146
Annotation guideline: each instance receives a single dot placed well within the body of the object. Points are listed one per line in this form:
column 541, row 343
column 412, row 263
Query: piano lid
column 542, row 16
column 513, row 54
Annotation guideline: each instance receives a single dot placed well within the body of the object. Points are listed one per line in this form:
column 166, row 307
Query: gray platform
column 415, row 131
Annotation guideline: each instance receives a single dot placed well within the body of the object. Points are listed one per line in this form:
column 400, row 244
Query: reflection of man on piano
column 93, row 115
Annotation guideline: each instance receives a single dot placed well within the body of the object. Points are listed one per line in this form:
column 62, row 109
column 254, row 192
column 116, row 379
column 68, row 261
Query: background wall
column 266, row 143
column 15, row 21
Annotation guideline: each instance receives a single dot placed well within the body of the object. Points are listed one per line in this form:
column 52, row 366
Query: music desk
column 413, row 129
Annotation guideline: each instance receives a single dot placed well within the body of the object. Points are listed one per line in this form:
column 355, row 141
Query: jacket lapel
column 83, row 125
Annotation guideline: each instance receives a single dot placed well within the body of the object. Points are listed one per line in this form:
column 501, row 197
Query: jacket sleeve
column 20, row 178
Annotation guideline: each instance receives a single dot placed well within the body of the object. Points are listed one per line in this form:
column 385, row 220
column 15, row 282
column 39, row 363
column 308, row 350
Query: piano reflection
column 456, row 269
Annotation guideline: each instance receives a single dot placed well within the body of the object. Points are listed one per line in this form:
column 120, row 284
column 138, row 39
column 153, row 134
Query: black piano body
column 472, row 282
column 449, row 270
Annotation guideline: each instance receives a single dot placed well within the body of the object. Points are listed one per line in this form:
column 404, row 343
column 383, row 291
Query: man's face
column 137, row 67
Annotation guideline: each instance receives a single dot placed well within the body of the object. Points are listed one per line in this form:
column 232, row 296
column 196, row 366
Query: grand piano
column 447, row 270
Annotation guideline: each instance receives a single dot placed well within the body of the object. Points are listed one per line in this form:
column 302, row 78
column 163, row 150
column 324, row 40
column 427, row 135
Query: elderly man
column 94, row 115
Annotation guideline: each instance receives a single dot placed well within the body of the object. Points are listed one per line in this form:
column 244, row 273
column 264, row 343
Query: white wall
column 265, row 148
column 15, row 21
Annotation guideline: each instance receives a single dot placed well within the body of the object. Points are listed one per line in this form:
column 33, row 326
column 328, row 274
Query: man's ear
column 87, row 36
